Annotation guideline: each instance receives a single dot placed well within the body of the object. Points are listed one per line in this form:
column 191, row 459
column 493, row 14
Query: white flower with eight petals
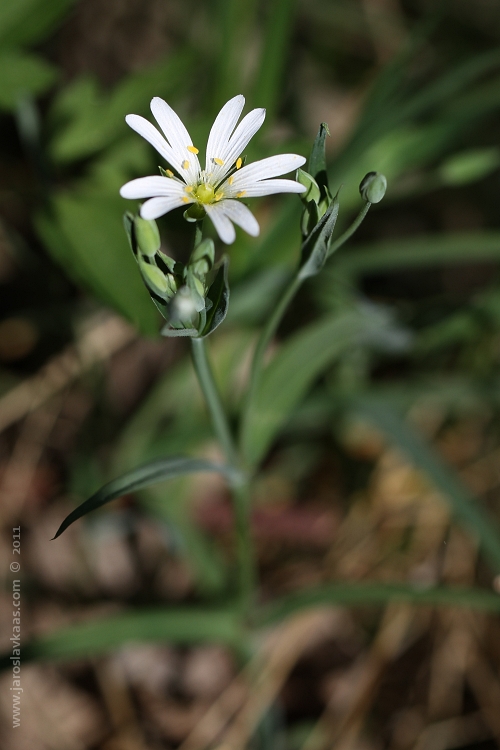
column 218, row 187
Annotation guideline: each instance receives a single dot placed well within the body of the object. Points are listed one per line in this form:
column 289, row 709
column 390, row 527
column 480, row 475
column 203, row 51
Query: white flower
column 224, row 180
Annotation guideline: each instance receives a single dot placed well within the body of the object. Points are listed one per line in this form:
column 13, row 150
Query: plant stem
column 240, row 488
column 350, row 231
column 212, row 397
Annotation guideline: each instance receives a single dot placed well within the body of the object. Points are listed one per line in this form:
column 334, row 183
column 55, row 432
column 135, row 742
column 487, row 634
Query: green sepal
column 197, row 290
column 312, row 192
column 147, row 236
column 154, row 279
column 217, row 302
column 194, row 213
column 315, row 247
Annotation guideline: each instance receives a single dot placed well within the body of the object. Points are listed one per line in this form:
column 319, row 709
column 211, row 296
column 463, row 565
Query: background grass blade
column 176, row 625
column 362, row 594
column 274, row 55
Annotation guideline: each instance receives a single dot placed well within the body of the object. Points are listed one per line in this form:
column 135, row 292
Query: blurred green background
column 405, row 331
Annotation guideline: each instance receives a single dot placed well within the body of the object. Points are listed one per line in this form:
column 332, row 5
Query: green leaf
column 469, row 166
column 426, row 250
column 365, row 594
column 317, row 160
column 218, row 294
column 89, row 119
column 315, row 248
column 28, row 21
column 22, row 74
column 464, row 506
column 273, row 59
column 292, row 372
column 179, row 625
column 137, row 479
column 85, row 236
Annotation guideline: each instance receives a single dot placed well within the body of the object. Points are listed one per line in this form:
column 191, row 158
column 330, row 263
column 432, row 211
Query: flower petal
column 152, row 136
column 222, row 224
column 273, row 166
column 156, row 207
column 178, row 137
column 267, row 187
column 148, row 187
column 240, row 138
column 220, row 133
column 241, row 215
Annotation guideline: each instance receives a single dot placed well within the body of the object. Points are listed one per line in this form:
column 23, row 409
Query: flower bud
column 373, row 187
column 147, row 236
column 205, row 250
column 156, row 281
column 312, row 193
column 183, row 306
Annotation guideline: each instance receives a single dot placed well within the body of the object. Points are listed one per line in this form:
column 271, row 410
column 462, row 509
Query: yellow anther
column 185, row 164
column 218, row 161
column 241, row 193
column 230, row 180
column 189, row 188
column 169, row 173
column 239, row 162
column 185, row 199
column 218, row 195
column 193, row 149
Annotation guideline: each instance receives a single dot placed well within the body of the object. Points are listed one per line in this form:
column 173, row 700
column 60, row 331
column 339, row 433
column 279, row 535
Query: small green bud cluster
column 157, row 269
column 180, row 292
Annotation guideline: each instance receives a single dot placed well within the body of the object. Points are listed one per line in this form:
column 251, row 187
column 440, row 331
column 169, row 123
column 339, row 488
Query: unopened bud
column 312, row 192
column 183, row 306
column 154, row 278
column 373, row 187
column 147, row 236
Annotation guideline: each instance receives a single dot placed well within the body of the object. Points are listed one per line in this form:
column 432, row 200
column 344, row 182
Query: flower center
column 204, row 193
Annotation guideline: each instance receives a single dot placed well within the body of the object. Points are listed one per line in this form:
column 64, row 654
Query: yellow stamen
column 230, row 180
column 169, row 173
column 189, row 188
column 239, row 162
column 218, row 195
column 218, row 161
column 193, row 149
column 185, row 164
column 185, row 199
column 241, row 193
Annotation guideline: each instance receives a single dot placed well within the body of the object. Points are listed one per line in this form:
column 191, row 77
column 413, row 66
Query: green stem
column 212, row 398
column 240, row 489
column 349, row 232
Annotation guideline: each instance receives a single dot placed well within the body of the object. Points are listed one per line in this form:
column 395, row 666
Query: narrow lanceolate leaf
column 315, row 247
column 317, row 160
column 218, row 295
column 137, row 479
column 179, row 625
column 363, row 594
column 292, row 372
column 464, row 506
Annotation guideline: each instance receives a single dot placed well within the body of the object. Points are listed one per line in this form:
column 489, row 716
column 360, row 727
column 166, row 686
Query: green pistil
column 204, row 193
